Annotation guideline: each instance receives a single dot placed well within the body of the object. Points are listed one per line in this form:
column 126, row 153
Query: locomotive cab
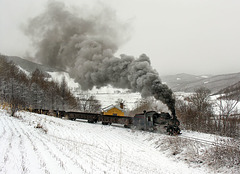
column 144, row 121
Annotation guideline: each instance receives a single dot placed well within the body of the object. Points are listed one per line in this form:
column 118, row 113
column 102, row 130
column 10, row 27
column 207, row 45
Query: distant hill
column 188, row 83
column 30, row 66
column 56, row 74
column 232, row 91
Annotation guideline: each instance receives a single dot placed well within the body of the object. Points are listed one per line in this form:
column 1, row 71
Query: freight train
column 148, row 120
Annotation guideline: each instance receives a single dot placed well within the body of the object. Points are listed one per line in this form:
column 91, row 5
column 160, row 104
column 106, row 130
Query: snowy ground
column 63, row 146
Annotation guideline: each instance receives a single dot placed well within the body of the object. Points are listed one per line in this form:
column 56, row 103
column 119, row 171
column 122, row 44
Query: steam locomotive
column 148, row 120
column 159, row 122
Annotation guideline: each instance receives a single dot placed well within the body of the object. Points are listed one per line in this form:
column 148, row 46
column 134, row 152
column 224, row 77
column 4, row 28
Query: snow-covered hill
column 34, row 143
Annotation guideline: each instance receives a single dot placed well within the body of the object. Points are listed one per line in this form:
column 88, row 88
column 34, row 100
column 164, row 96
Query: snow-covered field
column 63, row 146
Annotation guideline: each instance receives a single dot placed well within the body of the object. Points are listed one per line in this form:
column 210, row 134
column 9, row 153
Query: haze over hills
column 188, row 83
column 178, row 83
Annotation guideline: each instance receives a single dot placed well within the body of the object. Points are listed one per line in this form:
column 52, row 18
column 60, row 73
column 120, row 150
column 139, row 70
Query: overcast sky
column 180, row 36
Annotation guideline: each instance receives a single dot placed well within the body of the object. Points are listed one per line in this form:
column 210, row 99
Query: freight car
column 96, row 117
column 149, row 121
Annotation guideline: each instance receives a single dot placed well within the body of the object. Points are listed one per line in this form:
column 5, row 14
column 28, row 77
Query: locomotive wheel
column 171, row 132
column 105, row 123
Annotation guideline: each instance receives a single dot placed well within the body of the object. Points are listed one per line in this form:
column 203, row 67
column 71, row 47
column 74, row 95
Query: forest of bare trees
column 196, row 113
column 36, row 91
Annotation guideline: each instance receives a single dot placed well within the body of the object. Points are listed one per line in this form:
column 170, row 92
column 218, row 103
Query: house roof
column 110, row 107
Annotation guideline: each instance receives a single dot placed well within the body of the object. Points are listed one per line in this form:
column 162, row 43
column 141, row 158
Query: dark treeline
column 36, row 91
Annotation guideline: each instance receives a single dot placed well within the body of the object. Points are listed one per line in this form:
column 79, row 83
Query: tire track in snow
column 56, row 157
column 146, row 155
column 3, row 130
column 72, row 136
column 124, row 149
column 19, row 145
column 96, row 157
column 10, row 160
column 64, row 146
column 47, row 147
column 3, row 149
column 105, row 153
column 22, row 143
column 38, row 136
column 89, row 150
column 33, row 157
column 108, row 153
column 127, row 154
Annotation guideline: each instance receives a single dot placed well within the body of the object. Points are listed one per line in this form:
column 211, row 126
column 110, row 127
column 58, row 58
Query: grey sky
column 191, row 36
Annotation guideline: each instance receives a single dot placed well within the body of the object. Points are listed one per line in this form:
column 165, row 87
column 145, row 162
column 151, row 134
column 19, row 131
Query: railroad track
column 208, row 142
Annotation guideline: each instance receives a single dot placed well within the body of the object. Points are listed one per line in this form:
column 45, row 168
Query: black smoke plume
column 84, row 45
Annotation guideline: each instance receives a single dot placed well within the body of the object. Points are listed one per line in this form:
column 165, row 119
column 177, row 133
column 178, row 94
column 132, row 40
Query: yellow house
column 113, row 110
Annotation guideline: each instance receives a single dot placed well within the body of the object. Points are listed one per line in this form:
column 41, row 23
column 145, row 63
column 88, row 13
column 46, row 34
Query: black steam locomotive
column 159, row 122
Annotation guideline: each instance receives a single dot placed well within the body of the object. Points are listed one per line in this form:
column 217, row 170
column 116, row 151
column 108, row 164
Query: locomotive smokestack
column 85, row 46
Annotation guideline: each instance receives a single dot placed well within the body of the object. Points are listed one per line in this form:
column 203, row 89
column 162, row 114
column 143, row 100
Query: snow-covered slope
column 63, row 146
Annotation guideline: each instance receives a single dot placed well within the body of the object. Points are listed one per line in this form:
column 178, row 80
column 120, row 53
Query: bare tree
column 141, row 105
column 63, row 92
column 89, row 103
column 227, row 104
column 196, row 111
column 228, row 122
